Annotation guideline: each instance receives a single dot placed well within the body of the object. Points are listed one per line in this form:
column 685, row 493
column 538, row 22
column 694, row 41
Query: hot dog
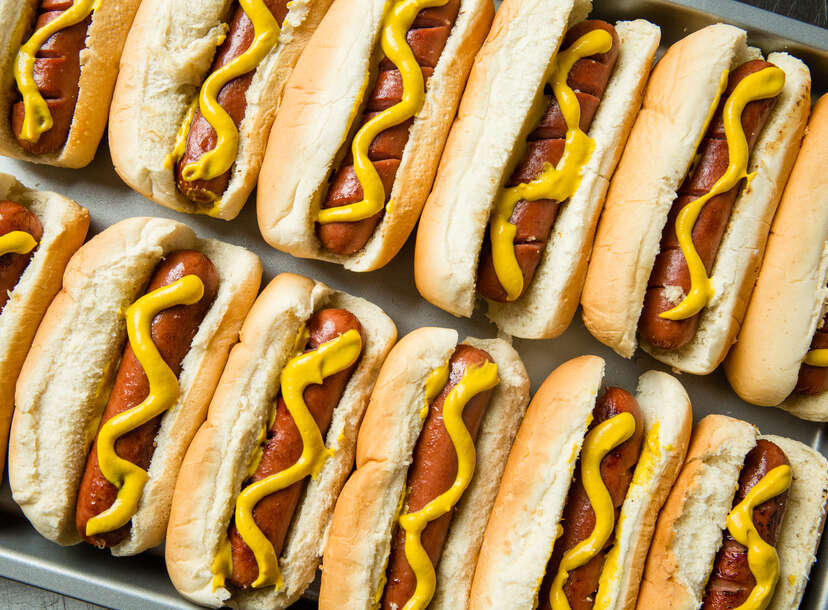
column 778, row 359
column 212, row 119
column 429, row 457
column 64, row 55
column 356, row 143
column 164, row 306
column 588, row 78
column 690, row 205
column 243, row 529
column 173, row 330
column 583, row 486
column 516, row 199
column 39, row 232
column 670, row 268
column 770, row 493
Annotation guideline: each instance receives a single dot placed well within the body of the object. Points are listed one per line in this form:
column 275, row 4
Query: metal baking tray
column 141, row 582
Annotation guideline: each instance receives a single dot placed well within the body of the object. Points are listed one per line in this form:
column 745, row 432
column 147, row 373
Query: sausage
column 731, row 581
column 283, row 448
column 172, row 332
column 427, row 38
column 232, row 97
column 814, row 379
column 432, row 472
column 670, row 268
column 57, row 75
column 14, row 217
column 533, row 219
column 578, row 519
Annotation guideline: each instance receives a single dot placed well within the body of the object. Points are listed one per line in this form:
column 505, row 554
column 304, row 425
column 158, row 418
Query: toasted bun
column 359, row 541
column 787, row 303
column 659, row 153
column 216, row 463
column 99, row 68
column 445, row 233
column 167, row 57
column 689, row 530
column 68, row 374
column 64, row 228
column 522, row 529
column 323, row 99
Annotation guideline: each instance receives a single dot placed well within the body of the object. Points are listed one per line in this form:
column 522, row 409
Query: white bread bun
column 68, row 373
column 659, row 153
column 689, row 530
column 453, row 225
column 323, row 99
column 99, row 69
column 65, row 224
column 216, row 463
column 359, row 540
column 167, row 57
column 522, row 529
column 788, row 300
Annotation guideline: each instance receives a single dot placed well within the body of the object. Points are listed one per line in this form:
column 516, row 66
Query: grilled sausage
column 670, row 269
column 283, row 448
column 172, row 332
column 814, row 379
column 14, row 217
column 534, row 219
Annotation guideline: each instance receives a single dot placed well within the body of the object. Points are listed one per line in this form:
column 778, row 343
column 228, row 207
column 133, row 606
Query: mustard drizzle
column 762, row 557
column 37, row 119
column 17, row 242
column 220, row 159
column 126, row 476
column 766, row 83
column 817, row 357
column 305, row 369
column 397, row 22
column 474, row 381
column 602, row 439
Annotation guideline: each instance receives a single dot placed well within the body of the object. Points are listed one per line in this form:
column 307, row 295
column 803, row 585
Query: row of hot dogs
column 162, row 400
column 511, row 189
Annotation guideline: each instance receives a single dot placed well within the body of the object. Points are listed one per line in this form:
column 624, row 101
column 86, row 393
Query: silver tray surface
column 141, row 582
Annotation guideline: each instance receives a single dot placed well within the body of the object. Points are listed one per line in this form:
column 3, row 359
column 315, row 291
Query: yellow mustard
column 762, row 558
column 126, row 476
column 397, row 22
column 17, row 242
column 815, row 357
column 602, row 439
column 766, row 83
column 181, row 138
column 305, row 369
column 37, row 119
column 222, row 564
column 558, row 183
column 474, row 381
column 220, row 159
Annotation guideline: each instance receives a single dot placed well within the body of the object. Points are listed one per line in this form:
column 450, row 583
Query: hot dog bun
column 99, row 68
column 359, row 539
column 489, row 131
column 689, row 529
column 789, row 297
column 659, row 152
column 166, row 59
column 321, row 103
column 65, row 224
column 522, row 529
column 65, row 381
column 217, row 460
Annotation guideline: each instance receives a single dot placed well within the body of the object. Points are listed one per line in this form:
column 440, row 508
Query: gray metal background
column 141, row 582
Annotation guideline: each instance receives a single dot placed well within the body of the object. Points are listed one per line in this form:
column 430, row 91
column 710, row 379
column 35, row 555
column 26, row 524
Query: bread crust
column 321, row 102
column 167, row 57
column 359, row 540
column 65, row 224
column 216, row 463
column 68, row 373
column 788, row 301
column 99, row 69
